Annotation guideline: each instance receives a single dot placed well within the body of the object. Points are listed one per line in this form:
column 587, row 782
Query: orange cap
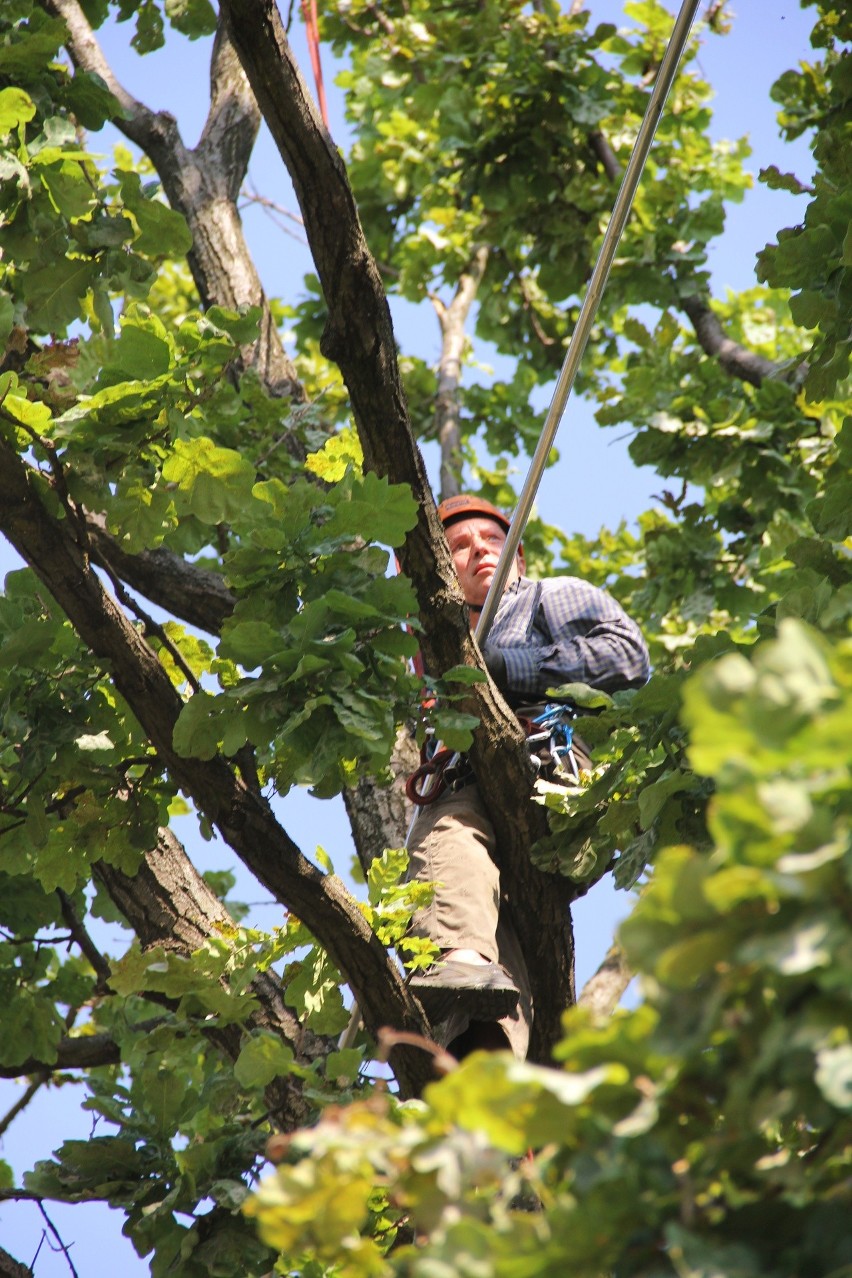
column 466, row 507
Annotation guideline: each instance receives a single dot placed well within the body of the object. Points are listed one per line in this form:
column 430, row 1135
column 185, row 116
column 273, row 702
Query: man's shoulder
column 562, row 584
column 563, row 595
column 548, row 584
column 559, row 580
column 555, row 593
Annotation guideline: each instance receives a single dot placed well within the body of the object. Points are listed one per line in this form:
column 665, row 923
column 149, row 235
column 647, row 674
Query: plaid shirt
column 564, row 630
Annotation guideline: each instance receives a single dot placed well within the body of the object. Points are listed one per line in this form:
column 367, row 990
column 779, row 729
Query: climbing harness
column 555, row 753
column 440, row 770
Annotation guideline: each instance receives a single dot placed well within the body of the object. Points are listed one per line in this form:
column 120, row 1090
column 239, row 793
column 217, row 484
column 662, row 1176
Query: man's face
column 475, row 546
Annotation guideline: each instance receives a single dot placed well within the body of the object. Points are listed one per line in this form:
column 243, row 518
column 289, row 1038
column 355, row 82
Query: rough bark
column 381, row 814
column 243, row 817
column 203, row 184
column 11, row 1268
column 359, row 338
column 167, row 902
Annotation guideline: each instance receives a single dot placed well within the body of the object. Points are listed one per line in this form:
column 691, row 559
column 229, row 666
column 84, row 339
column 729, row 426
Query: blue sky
column 767, row 38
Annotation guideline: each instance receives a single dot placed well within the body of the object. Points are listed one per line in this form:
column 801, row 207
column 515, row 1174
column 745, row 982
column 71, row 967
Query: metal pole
column 580, row 336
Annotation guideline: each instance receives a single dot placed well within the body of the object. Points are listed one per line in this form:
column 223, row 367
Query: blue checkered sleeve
column 566, row 631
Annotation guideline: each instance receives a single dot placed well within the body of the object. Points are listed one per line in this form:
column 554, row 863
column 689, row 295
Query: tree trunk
column 359, row 338
column 381, row 814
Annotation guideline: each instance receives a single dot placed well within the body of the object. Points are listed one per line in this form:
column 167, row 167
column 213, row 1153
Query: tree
column 157, row 441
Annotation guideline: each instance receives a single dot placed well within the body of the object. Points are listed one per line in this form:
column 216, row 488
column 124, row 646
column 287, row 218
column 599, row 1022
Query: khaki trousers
column 451, row 845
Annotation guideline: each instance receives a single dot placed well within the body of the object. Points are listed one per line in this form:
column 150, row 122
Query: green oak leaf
column 212, row 483
column 262, row 1058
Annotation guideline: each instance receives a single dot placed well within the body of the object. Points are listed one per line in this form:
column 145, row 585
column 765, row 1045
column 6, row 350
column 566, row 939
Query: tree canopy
column 208, row 615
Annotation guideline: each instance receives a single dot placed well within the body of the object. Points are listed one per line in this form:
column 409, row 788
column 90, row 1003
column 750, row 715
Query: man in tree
column 545, row 633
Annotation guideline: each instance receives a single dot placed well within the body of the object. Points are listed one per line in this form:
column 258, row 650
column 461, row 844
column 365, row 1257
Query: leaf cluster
column 813, row 259
column 325, row 635
column 709, row 1128
column 78, row 780
column 491, row 130
column 69, row 242
column 706, row 1131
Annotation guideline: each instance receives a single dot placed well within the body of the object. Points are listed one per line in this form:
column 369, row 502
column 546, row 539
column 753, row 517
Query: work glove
column 495, row 664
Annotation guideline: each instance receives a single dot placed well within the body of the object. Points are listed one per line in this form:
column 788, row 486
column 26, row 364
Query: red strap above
column 309, row 13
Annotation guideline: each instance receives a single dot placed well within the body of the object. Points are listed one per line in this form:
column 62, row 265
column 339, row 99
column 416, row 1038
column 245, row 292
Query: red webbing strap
column 309, row 13
column 426, row 783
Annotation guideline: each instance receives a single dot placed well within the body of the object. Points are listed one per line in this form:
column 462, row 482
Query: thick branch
column 11, row 1268
column 244, row 818
column 452, row 319
column 167, row 902
column 197, row 595
column 734, row 358
column 203, row 184
column 602, row 992
column 84, row 1052
column 359, row 338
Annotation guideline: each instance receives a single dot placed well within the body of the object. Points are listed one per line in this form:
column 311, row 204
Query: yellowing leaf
column 336, row 455
column 215, row 483
column 16, row 107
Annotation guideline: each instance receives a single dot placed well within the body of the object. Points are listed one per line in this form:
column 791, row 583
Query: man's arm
column 579, row 635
